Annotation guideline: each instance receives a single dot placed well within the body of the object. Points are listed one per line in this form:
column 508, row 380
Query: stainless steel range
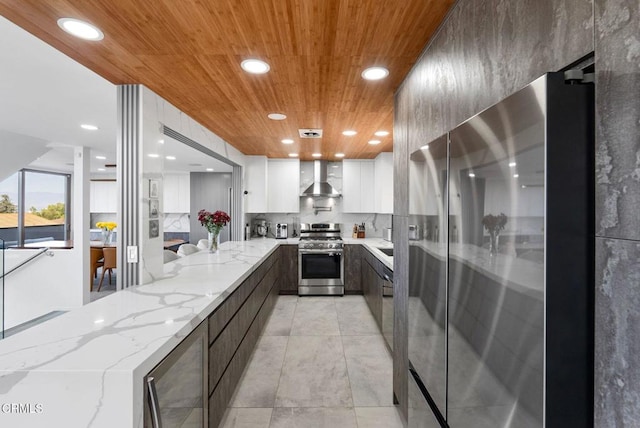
column 320, row 260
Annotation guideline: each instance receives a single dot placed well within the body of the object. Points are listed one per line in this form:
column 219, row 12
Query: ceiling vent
column 310, row 133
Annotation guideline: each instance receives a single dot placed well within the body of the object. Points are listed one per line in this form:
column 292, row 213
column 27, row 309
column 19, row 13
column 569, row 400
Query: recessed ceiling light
column 317, row 155
column 381, row 133
column 293, row 155
column 254, row 66
column 512, row 164
column 277, row 116
column 210, row 169
column 425, row 147
column 101, row 157
column 287, row 141
column 349, row 133
column 524, row 186
column 170, row 157
column 101, row 169
column 81, row 29
column 89, row 127
column 339, row 155
column 98, row 321
column 471, row 174
column 375, row 73
column 160, row 141
column 516, row 175
column 169, row 321
column 374, row 142
column 153, row 155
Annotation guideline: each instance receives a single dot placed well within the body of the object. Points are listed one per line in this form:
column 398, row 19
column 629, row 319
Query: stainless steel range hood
column 320, row 187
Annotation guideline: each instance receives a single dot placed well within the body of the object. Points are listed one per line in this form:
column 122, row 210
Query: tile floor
column 106, row 287
column 321, row 362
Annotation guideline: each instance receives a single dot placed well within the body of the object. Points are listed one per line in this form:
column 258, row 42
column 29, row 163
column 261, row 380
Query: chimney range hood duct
column 320, row 187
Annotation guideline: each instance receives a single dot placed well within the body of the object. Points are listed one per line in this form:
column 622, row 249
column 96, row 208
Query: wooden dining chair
column 110, row 263
column 95, row 257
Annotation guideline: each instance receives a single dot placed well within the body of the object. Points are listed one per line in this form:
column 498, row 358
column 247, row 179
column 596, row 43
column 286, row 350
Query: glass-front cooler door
column 176, row 390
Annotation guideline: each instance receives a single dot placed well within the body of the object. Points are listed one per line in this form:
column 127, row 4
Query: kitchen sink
column 387, row 251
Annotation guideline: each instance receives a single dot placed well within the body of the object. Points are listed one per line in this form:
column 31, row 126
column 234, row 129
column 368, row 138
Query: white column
column 80, row 222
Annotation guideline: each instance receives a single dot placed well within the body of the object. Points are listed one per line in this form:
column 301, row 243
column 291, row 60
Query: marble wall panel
column 618, row 118
column 400, row 313
column 484, row 51
column 617, row 378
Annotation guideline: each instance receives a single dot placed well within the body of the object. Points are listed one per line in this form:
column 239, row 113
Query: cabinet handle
column 154, row 405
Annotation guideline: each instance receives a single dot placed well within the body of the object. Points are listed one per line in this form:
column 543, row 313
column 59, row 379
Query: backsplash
column 96, row 217
column 374, row 223
column 178, row 223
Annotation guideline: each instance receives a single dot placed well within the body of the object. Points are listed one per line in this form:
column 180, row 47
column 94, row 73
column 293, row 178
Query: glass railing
column 18, row 309
column 1, row 288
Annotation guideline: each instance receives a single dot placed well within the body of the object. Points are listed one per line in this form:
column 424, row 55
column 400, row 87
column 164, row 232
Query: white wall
column 156, row 111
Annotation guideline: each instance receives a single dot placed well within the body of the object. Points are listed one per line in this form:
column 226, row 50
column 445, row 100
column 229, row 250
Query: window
column 34, row 207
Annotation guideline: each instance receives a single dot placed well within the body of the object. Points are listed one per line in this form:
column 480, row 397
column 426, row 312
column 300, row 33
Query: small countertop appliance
column 261, row 227
column 281, row 231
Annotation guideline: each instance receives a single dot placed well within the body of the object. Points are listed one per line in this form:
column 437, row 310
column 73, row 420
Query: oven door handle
column 329, row 252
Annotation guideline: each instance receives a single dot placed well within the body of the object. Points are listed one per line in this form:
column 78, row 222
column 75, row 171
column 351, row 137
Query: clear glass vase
column 107, row 236
column 493, row 242
column 213, row 241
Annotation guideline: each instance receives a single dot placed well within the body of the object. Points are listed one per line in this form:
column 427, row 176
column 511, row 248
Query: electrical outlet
column 132, row 254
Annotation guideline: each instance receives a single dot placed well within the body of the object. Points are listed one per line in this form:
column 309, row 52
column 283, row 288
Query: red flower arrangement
column 494, row 223
column 213, row 222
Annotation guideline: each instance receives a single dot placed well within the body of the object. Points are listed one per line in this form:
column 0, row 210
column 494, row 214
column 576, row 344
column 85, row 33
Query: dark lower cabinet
column 372, row 284
column 288, row 269
column 353, row 268
column 234, row 331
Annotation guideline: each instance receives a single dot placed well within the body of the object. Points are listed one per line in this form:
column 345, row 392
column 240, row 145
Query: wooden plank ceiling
column 189, row 52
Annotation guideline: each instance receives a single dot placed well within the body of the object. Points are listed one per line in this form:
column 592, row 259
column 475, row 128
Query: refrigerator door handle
column 154, row 404
column 230, row 209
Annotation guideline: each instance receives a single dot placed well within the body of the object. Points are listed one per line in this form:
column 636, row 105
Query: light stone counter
column 85, row 368
column 373, row 245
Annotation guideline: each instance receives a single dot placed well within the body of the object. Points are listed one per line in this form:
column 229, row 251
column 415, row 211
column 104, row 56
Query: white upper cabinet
column 255, row 179
column 176, row 193
column 358, row 180
column 384, row 183
column 283, row 186
column 103, row 196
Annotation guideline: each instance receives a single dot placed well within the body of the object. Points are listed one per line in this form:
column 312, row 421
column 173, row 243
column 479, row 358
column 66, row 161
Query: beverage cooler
column 176, row 394
column 500, row 279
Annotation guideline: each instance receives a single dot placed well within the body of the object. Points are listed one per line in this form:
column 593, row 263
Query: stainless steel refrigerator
column 500, row 283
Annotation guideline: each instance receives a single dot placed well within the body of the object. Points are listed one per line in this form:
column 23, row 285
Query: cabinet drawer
column 223, row 392
column 225, row 345
column 223, row 314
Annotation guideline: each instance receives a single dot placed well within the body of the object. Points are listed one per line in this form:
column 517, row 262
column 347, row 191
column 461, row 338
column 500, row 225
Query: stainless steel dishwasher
column 387, row 306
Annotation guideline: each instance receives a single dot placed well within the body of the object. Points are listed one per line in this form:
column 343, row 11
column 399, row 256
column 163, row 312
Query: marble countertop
column 85, row 368
column 373, row 244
